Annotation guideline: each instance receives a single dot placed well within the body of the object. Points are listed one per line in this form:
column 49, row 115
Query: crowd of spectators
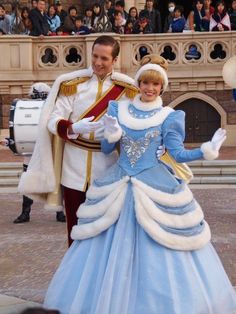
column 40, row 20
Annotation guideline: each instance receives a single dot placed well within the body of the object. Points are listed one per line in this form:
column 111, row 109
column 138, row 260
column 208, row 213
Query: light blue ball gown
column 142, row 245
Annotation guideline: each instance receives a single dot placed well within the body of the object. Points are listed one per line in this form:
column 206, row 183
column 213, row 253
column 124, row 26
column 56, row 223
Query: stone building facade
column 195, row 84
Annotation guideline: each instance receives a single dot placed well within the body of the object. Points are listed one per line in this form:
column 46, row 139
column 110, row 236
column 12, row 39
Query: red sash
column 98, row 108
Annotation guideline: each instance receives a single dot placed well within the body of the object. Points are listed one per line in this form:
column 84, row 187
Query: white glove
column 210, row 149
column 160, row 151
column 110, row 123
column 112, row 130
column 85, row 126
column 218, row 138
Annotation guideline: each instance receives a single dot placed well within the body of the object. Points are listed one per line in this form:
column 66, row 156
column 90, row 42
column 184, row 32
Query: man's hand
column 85, row 126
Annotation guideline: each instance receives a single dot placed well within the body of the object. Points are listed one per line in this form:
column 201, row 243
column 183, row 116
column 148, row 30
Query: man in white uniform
column 76, row 117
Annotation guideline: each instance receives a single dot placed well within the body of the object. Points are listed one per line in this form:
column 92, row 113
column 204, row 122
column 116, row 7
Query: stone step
column 214, row 171
column 14, row 173
column 10, row 182
column 11, row 166
column 214, row 180
column 212, row 163
column 205, row 172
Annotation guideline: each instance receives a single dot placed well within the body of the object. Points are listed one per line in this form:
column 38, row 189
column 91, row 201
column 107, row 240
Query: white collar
column 131, row 122
column 147, row 106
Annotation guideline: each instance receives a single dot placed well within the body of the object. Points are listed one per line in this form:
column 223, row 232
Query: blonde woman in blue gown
column 142, row 245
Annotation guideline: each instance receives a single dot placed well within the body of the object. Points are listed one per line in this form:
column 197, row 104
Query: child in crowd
column 80, row 29
column 142, row 26
column 119, row 23
column 178, row 23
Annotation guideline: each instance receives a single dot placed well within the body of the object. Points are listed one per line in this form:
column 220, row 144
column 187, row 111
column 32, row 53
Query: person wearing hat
column 141, row 242
column 61, row 12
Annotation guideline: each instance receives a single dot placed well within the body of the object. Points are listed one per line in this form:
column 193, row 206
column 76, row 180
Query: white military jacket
column 80, row 166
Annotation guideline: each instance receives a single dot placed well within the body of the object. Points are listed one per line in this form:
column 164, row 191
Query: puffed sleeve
column 107, row 147
column 173, row 130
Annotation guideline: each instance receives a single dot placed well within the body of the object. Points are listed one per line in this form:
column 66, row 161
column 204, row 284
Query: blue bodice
column 138, row 145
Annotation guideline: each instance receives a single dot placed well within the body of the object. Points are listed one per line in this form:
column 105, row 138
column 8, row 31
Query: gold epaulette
column 70, row 87
column 130, row 90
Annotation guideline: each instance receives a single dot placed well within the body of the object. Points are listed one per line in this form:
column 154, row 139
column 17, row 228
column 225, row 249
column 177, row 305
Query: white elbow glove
column 112, row 130
column 211, row 149
column 85, row 126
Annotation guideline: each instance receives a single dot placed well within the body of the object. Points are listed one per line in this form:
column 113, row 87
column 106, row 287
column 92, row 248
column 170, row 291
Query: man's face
column 149, row 4
column 41, row 6
column 102, row 60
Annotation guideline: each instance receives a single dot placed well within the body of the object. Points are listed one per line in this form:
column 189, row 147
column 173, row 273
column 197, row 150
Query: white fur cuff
column 114, row 136
column 208, row 152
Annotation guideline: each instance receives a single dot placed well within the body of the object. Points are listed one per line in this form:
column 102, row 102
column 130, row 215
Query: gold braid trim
column 70, row 87
column 130, row 90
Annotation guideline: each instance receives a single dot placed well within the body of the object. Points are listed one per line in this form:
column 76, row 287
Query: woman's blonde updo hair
column 153, row 67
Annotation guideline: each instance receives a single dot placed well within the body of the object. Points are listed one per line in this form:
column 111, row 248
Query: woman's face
column 220, row 7
column 199, row 6
column 149, row 90
column 96, row 10
column 89, row 13
column 52, row 11
column 133, row 13
column 25, row 14
column 73, row 12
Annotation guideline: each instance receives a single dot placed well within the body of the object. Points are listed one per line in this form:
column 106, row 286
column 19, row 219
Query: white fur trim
column 147, row 106
column 155, row 67
column 167, row 199
column 95, row 192
column 98, row 209
column 125, row 118
column 94, row 228
column 172, row 241
column 116, row 76
column 40, row 171
column 185, row 220
column 113, row 137
column 34, row 187
column 208, row 152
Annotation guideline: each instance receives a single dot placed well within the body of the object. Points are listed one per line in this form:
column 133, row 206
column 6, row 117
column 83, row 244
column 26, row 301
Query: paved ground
column 30, row 253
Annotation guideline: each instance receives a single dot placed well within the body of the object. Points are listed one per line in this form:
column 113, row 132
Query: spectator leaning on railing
column 5, row 21
column 178, row 23
column 220, row 20
column 39, row 20
column 69, row 22
column 53, row 19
